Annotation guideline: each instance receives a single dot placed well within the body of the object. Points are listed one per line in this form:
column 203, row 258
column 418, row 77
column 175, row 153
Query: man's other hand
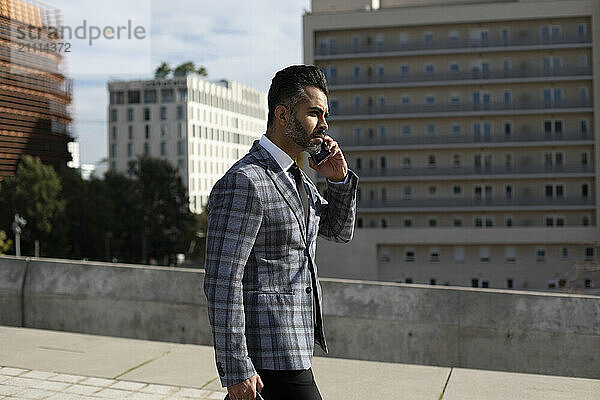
column 245, row 390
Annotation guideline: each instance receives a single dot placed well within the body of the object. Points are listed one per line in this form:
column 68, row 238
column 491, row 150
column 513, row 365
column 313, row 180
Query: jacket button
column 308, row 289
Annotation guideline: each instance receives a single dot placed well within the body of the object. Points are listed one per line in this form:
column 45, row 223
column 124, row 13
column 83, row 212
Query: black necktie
column 295, row 171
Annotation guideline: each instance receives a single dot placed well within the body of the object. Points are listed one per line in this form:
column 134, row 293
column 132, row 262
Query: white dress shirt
column 284, row 160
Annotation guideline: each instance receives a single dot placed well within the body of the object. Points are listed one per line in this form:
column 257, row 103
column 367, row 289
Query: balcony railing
column 451, row 108
column 474, row 171
column 411, row 78
column 464, row 139
column 451, row 45
column 454, row 202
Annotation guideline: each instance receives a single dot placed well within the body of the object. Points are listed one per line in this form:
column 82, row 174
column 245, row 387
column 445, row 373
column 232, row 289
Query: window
column 564, row 253
column 358, row 163
column 508, row 221
column 407, row 222
column 453, row 36
column 114, row 132
column 403, row 38
column 434, row 255
column 428, row 37
column 585, row 221
column 432, row 281
column 432, row 190
column 429, row 68
column 407, row 192
column 507, row 98
column 454, row 68
column 405, row 100
column 589, row 254
column 382, row 162
column 587, row 283
column 163, row 148
column 117, row 98
column 484, row 254
column 510, row 254
column 130, row 132
column 457, row 222
column 431, row 161
column 585, row 191
column 456, row 160
column 146, row 148
column 180, row 112
column 146, row 114
column 167, row 95
column 163, row 113
column 430, row 99
column 147, row 131
column 583, row 94
column 384, row 254
column 583, row 126
column 113, row 150
column 432, row 222
column 430, row 129
column 505, row 34
column 113, row 115
column 455, row 98
column 130, row 114
column 582, row 61
column 408, row 280
column 129, row 149
column 405, row 130
column 149, row 96
column 540, row 254
column 133, row 96
column 409, row 255
column 404, row 69
column 455, row 130
column 459, row 254
column 509, row 284
column 457, row 190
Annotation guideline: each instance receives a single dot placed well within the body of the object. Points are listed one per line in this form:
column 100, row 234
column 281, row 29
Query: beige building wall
column 468, row 128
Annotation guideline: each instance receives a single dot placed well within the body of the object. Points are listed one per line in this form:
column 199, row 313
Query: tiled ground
column 17, row 383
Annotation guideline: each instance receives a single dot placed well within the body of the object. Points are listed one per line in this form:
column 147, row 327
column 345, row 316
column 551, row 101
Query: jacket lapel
column 282, row 184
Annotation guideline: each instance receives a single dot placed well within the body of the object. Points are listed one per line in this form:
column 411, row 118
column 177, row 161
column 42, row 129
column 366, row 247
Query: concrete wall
column 446, row 326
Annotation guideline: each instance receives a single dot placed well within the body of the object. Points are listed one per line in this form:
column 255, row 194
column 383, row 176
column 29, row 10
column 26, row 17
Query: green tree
column 185, row 69
column 163, row 70
column 167, row 224
column 202, row 71
column 5, row 243
column 34, row 193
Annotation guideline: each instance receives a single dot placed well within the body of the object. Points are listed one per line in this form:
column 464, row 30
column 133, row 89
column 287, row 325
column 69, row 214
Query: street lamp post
column 17, row 227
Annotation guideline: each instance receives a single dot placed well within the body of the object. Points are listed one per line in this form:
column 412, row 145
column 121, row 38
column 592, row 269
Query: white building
column 201, row 127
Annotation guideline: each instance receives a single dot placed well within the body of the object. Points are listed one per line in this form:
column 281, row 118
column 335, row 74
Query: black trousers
column 289, row 385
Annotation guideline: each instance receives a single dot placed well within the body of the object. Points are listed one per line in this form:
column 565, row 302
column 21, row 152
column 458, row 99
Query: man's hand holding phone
column 334, row 166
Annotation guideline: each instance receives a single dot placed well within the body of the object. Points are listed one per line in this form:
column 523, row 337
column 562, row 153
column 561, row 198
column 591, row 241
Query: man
column 264, row 298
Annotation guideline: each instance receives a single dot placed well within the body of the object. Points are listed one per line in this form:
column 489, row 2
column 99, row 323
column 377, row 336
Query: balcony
column 521, row 139
column 456, row 78
column 450, row 109
column 456, row 173
column 479, row 204
column 450, row 46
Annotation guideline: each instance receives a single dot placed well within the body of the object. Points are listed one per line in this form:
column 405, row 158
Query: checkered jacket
column 264, row 298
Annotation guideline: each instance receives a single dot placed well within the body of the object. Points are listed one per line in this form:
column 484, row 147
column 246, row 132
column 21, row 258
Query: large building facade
column 200, row 127
column 34, row 93
column 472, row 127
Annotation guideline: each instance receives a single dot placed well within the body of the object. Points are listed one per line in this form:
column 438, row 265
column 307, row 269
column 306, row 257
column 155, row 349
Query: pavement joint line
column 209, row 382
column 446, row 384
column 142, row 364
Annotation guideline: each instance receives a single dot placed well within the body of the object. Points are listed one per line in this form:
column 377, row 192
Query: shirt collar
column 282, row 158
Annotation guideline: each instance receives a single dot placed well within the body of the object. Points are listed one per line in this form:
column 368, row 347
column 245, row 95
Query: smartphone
column 320, row 156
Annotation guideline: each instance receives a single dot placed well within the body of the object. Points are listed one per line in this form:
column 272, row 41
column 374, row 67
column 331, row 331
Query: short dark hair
column 287, row 87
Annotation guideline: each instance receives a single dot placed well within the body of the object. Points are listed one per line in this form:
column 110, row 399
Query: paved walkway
column 41, row 364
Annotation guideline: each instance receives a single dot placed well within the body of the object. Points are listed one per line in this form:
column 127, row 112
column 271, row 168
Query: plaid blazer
column 264, row 298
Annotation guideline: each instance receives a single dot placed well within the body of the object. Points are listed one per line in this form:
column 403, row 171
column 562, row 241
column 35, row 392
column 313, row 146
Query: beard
column 296, row 132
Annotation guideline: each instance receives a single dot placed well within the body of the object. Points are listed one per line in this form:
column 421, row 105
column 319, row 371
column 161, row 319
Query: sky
column 245, row 41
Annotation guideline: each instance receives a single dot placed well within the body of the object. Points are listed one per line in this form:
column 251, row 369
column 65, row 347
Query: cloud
column 246, row 41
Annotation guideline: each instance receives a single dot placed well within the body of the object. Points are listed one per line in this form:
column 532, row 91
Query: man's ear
column 281, row 114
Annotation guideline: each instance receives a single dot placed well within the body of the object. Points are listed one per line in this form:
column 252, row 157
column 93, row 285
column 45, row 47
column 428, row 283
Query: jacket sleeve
column 337, row 222
column 234, row 218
